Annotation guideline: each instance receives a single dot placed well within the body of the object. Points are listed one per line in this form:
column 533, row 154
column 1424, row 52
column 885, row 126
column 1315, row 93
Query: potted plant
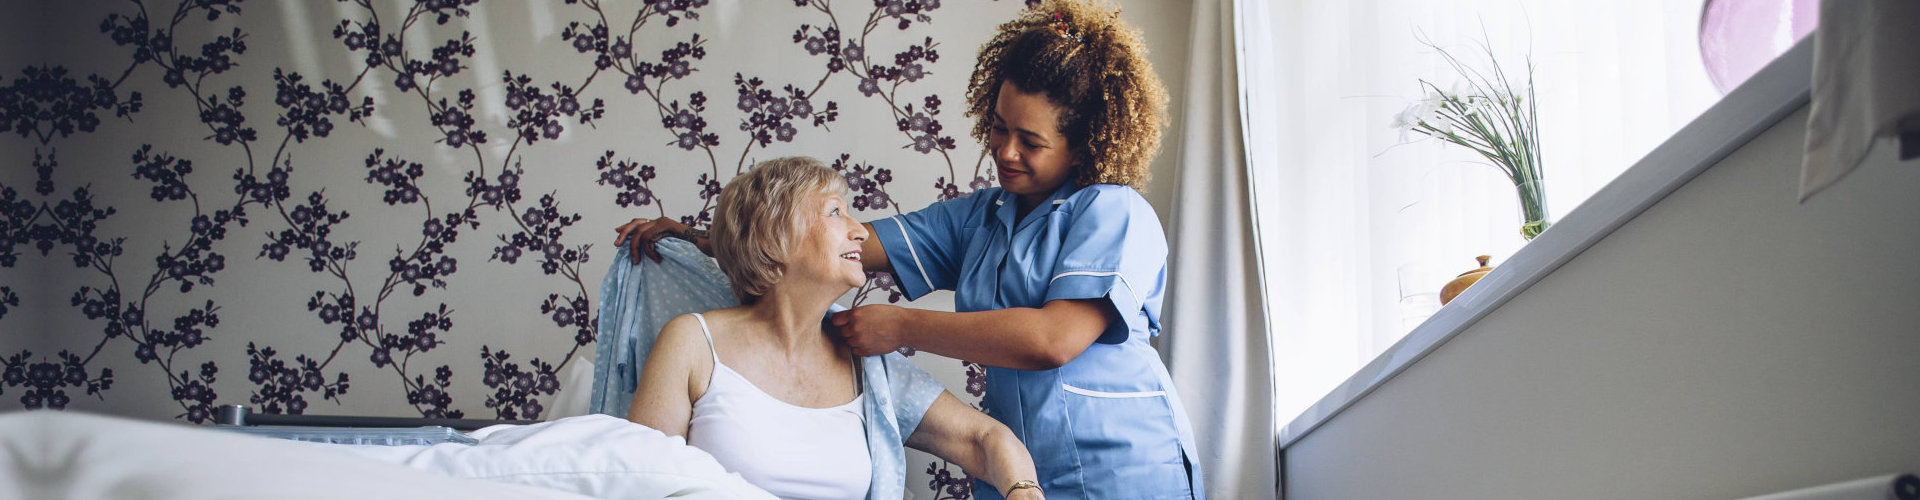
column 1485, row 112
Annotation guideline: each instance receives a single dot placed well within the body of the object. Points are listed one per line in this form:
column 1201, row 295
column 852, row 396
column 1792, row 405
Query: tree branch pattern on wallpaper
column 381, row 322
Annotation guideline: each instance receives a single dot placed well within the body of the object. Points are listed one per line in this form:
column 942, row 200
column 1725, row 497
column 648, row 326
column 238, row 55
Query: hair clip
column 1065, row 28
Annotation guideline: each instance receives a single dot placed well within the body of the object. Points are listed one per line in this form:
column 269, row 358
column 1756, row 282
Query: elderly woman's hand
column 873, row 329
column 643, row 233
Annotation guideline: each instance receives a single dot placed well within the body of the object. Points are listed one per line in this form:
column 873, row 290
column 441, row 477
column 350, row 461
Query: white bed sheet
column 68, row 455
column 594, row 455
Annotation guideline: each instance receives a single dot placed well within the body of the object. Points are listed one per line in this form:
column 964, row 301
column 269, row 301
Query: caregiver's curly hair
column 1094, row 67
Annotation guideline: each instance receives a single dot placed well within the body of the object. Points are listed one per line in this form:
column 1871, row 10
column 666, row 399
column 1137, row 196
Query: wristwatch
column 1023, row 484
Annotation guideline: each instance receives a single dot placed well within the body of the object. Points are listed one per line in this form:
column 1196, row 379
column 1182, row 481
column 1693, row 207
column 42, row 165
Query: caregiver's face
column 1032, row 156
column 830, row 248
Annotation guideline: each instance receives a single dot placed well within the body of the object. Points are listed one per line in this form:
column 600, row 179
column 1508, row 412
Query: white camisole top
column 793, row 452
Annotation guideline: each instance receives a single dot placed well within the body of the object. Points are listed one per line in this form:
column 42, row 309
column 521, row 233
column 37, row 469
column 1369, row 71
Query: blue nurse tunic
column 1107, row 424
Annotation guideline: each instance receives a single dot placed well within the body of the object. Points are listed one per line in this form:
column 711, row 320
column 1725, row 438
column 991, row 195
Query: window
column 1359, row 228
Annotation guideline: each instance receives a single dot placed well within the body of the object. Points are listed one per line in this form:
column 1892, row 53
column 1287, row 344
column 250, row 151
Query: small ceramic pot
column 1466, row 279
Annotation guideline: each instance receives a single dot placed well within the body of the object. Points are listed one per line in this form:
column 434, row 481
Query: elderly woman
column 773, row 397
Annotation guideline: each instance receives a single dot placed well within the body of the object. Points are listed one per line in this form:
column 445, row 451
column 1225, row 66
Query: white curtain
column 1358, row 231
column 1216, row 338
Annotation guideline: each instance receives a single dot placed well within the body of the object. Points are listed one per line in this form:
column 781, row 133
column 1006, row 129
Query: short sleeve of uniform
column 913, row 391
column 925, row 246
column 1113, row 249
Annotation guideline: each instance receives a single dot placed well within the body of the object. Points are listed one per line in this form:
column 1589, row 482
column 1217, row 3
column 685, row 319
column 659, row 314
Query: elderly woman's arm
column 982, row 446
column 664, row 398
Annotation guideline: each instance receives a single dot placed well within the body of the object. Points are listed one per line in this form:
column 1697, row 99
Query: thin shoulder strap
column 709, row 334
column 859, row 368
column 859, row 375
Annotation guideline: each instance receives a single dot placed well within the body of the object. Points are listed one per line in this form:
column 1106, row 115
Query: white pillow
column 593, row 455
column 576, row 389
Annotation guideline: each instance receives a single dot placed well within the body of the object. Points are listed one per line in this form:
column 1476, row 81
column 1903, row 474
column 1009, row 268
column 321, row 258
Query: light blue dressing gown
column 636, row 300
column 1108, row 424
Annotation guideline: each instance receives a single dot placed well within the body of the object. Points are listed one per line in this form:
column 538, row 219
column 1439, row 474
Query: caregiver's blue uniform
column 1106, row 425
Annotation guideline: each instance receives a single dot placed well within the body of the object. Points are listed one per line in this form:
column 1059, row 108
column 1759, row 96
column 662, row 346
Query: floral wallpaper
column 394, row 207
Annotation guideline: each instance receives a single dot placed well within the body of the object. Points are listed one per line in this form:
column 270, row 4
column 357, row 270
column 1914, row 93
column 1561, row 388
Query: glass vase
column 1533, row 208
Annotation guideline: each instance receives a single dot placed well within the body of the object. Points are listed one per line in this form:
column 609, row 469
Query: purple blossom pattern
column 922, row 128
column 281, row 386
column 515, row 389
column 538, row 113
column 771, row 116
column 306, row 111
column 45, row 381
column 46, row 103
column 633, row 180
column 948, row 483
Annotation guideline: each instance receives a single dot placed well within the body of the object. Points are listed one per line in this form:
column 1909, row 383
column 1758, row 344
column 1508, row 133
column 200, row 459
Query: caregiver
column 1058, row 273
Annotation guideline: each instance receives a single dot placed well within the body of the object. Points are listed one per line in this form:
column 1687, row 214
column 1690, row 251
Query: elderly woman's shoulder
column 684, row 337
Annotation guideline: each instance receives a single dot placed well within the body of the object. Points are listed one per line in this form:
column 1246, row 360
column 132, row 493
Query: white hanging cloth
column 1866, row 87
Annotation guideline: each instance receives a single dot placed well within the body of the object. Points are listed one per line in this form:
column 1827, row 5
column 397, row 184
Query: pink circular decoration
column 1738, row 37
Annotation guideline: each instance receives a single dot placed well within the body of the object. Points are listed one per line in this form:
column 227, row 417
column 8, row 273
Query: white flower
column 1435, row 105
column 1422, row 112
column 1405, row 122
column 1436, row 117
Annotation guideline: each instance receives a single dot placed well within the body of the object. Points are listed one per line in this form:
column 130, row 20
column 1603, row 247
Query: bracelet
column 1021, row 485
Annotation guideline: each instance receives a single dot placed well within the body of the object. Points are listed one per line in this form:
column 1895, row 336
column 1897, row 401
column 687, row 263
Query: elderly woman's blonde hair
column 759, row 220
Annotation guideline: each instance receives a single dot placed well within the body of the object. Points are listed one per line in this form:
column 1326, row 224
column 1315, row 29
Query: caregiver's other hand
column 872, row 329
column 643, row 233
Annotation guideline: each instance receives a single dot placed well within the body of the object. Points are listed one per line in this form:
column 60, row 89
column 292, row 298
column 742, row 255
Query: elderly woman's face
column 1032, row 156
column 829, row 251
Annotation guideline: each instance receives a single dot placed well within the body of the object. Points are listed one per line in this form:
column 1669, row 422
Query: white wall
column 1727, row 342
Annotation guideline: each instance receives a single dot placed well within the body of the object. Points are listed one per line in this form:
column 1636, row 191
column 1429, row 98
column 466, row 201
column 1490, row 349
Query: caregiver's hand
column 643, row 233
column 873, row 329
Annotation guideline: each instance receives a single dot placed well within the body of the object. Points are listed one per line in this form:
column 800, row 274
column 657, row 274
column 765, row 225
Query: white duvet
column 593, row 455
column 66, row 455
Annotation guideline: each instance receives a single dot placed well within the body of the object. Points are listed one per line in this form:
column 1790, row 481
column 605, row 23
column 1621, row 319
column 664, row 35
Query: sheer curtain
column 1359, row 231
column 1215, row 340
